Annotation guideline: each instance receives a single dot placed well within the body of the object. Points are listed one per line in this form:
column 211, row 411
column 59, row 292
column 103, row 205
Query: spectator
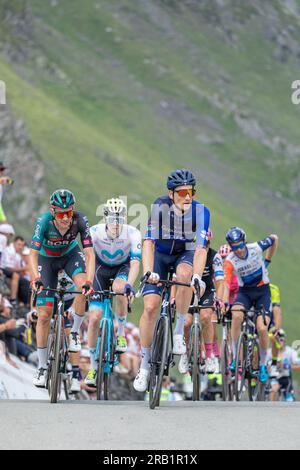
column 13, row 267
column 6, row 233
column 3, row 180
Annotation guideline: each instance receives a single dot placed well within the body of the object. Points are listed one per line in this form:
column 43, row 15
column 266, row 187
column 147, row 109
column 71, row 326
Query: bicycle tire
column 195, row 358
column 239, row 385
column 55, row 377
column 101, row 361
column 227, row 391
column 253, row 392
column 158, row 361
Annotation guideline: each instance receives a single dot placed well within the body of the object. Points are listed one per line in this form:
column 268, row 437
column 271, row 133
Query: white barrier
column 16, row 380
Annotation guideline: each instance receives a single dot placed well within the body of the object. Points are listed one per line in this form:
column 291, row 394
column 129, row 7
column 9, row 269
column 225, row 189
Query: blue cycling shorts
column 162, row 265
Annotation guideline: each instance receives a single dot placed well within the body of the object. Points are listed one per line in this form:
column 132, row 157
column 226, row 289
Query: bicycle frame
column 108, row 317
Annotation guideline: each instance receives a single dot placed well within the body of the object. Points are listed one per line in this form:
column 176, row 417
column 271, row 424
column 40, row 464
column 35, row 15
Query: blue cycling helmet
column 236, row 235
column 181, row 178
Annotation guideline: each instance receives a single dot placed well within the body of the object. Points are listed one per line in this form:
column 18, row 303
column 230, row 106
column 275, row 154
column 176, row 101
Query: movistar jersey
column 174, row 232
column 51, row 243
column 251, row 270
column 117, row 251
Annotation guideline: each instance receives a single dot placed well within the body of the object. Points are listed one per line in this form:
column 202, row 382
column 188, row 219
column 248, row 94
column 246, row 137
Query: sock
column 121, row 325
column 76, row 372
column 78, row 320
column 145, row 358
column 216, row 349
column 94, row 364
column 179, row 330
column 234, row 348
column 42, row 355
column 263, row 357
column 208, row 350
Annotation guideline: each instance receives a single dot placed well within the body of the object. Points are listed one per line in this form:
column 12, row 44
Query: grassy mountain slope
column 116, row 94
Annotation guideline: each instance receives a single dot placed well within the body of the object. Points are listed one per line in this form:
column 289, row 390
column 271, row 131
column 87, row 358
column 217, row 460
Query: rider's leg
column 42, row 333
column 187, row 328
column 184, row 274
column 208, row 331
column 147, row 326
column 79, row 303
column 237, row 320
column 95, row 316
column 121, row 305
column 274, row 392
column 263, row 338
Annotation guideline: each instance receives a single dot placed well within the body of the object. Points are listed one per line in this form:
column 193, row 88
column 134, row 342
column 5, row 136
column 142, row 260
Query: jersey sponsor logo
column 86, row 242
column 112, row 256
column 37, row 232
column 37, row 244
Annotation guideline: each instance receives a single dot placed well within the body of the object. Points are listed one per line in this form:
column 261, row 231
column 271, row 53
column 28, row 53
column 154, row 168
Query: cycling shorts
column 255, row 297
column 162, row 265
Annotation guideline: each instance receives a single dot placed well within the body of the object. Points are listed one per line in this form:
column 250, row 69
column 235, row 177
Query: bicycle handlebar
column 162, row 282
column 108, row 294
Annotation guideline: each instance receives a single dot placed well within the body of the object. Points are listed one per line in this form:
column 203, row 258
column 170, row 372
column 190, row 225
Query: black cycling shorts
column 72, row 263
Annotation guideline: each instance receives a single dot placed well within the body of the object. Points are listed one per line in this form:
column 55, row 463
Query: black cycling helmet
column 62, row 199
column 181, row 178
column 236, row 235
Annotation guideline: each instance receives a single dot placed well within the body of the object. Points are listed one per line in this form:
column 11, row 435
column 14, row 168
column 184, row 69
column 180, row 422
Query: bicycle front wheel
column 226, row 360
column 195, row 351
column 240, row 370
column 159, row 357
column 253, row 379
column 54, row 383
column 101, row 375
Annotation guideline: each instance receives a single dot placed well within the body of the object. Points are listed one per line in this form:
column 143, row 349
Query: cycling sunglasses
column 61, row 215
column 241, row 246
column 112, row 220
column 184, row 192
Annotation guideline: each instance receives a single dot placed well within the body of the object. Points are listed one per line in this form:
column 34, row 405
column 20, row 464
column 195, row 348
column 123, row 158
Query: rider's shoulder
column 98, row 229
column 132, row 230
column 45, row 217
column 163, row 200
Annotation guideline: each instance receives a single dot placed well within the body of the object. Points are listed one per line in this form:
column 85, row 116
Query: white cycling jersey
column 286, row 360
column 117, row 251
column 251, row 270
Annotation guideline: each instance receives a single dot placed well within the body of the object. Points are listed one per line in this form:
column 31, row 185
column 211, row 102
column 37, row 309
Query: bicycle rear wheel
column 240, row 370
column 195, row 351
column 159, row 357
column 102, row 359
column 226, row 360
column 54, row 383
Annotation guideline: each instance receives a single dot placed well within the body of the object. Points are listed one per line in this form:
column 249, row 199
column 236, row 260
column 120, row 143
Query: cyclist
column 224, row 252
column 176, row 238
column 247, row 263
column 118, row 250
column 53, row 248
column 288, row 362
column 276, row 325
column 213, row 276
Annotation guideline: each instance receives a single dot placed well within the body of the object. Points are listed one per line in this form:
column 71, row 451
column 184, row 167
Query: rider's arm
column 134, row 271
column 135, row 255
column 202, row 228
column 148, row 255
column 228, row 273
column 90, row 263
column 218, row 268
column 277, row 312
column 34, row 264
column 270, row 245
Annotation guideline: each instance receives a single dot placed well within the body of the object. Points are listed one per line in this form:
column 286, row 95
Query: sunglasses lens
column 61, row 215
column 184, row 192
column 238, row 247
column 115, row 220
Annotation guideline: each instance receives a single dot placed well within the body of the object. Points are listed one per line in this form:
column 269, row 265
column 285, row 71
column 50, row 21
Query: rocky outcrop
column 23, row 199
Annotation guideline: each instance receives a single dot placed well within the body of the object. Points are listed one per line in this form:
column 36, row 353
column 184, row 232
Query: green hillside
column 115, row 94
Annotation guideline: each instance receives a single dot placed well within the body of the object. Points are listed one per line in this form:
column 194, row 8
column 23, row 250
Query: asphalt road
column 132, row 426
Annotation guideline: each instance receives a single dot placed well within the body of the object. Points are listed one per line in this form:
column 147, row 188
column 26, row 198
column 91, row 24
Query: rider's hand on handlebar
column 196, row 278
column 129, row 291
column 87, row 289
column 37, row 285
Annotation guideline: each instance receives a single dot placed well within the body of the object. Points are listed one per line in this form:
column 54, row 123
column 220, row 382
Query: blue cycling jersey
column 174, row 231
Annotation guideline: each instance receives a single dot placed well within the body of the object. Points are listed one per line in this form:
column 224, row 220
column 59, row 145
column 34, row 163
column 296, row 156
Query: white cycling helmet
column 115, row 207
